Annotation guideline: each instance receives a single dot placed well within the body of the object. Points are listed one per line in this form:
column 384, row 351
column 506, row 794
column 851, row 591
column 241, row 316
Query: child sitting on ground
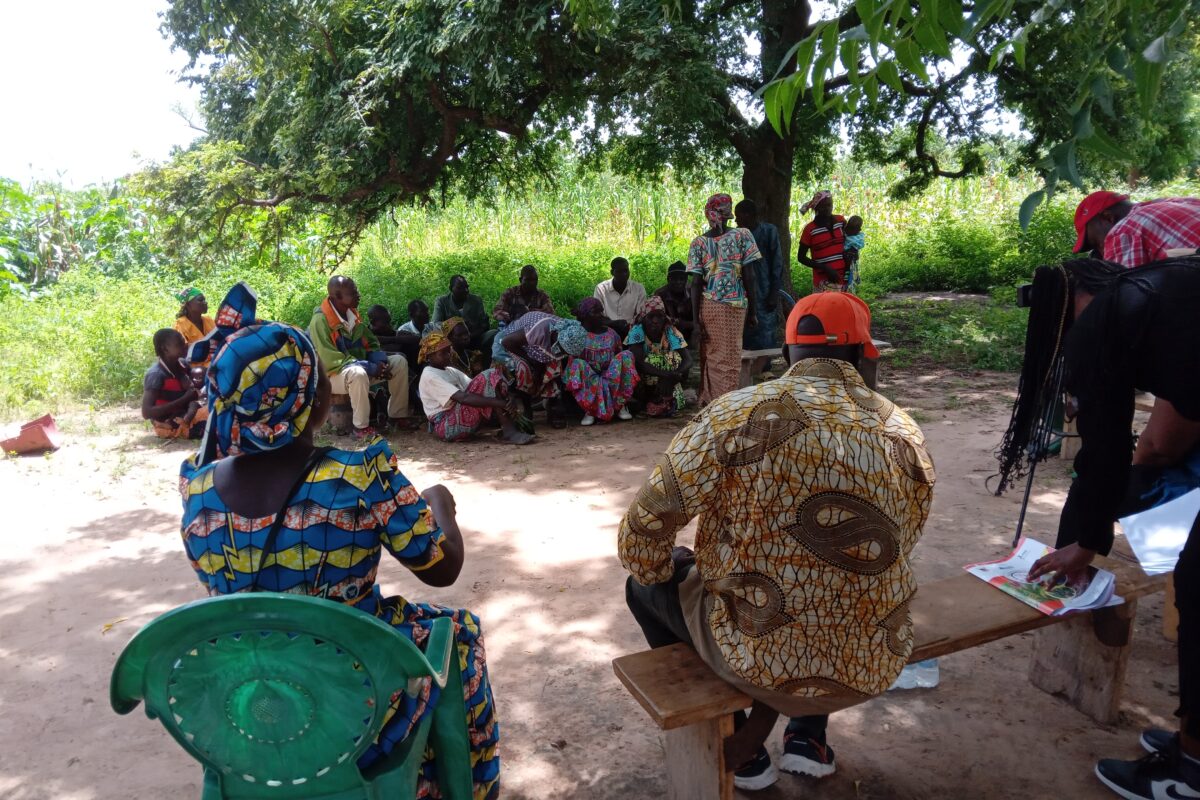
column 170, row 398
column 457, row 405
column 855, row 240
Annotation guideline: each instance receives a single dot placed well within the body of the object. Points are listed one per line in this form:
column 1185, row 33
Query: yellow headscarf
column 431, row 343
column 449, row 325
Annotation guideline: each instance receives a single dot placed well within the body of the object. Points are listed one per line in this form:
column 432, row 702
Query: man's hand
column 751, row 319
column 1067, row 562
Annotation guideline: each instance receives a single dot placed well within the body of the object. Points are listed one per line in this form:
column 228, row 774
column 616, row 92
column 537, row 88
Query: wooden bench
column 1083, row 657
column 745, row 378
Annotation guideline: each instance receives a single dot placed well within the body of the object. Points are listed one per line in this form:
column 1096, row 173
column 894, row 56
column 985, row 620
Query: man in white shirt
column 622, row 298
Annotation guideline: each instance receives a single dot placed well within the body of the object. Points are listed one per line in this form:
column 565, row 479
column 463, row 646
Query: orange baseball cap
column 845, row 318
column 1088, row 208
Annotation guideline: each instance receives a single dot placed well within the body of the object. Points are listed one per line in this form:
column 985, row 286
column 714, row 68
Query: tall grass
column 88, row 336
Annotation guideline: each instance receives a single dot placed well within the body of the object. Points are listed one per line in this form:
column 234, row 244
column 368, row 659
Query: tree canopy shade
column 349, row 106
column 1076, row 73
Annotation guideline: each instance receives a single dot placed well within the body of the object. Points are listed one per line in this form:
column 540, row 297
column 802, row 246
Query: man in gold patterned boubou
column 811, row 492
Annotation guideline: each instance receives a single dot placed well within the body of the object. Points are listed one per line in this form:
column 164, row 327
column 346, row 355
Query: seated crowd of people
column 811, row 490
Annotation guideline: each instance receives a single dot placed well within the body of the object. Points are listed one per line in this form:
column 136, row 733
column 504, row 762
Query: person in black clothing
column 1115, row 331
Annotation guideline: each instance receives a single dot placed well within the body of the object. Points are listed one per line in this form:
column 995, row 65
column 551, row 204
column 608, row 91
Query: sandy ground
column 93, row 552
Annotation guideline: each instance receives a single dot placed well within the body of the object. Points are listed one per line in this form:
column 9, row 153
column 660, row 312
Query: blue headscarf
column 261, row 383
column 571, row 336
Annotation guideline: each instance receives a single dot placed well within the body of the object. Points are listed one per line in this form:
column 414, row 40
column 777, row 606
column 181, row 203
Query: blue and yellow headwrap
column 261, row 384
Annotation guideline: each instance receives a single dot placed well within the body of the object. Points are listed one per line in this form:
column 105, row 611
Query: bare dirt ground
column 91, row 552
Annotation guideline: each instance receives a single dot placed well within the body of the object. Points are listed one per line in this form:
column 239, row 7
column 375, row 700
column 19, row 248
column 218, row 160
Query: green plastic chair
column 277, row 695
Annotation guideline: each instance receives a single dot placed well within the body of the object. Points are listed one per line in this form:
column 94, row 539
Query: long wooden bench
column 1082, row 657
column 751, row 356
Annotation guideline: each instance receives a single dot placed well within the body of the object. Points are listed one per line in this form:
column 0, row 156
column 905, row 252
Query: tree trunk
column 767, row 162
column 767, row 180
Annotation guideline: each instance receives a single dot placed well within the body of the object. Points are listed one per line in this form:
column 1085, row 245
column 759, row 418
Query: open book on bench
column 1093, row 589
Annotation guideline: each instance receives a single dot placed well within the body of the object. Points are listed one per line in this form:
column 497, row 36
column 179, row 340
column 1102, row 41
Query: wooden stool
column 341, row 415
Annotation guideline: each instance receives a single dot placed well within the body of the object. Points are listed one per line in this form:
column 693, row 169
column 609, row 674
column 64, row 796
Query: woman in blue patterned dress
column 601, row 376
column 662, row 358
column 267, row 394
column 537, row 345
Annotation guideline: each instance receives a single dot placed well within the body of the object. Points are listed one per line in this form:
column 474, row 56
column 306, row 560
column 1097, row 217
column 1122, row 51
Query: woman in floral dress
column 602, row 376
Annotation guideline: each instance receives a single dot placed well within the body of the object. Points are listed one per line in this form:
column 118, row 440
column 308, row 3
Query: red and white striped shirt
column 1151, row 229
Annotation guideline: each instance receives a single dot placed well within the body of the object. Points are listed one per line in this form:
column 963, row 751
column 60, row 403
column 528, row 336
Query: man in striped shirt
column 823, row 238
column 1133, row 234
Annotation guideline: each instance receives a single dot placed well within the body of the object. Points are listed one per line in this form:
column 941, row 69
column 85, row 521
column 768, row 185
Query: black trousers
column 657, row 610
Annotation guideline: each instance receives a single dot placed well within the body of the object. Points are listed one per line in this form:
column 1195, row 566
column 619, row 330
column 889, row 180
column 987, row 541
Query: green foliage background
column 85, row 335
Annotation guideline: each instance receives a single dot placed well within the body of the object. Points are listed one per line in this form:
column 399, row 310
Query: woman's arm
column 697, row 291
column 1168, row 437
column 445, row 571
column 478, row 400
column 167, row 410
column 686, row 363
column 644, row 367
column 1102, row 467
column 803, row 257
column 751, row 291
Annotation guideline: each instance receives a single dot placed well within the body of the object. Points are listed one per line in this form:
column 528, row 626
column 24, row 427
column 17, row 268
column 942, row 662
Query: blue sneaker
column 759, row 773
column 807, row 757
column 1157, row 776
column 1157, row 740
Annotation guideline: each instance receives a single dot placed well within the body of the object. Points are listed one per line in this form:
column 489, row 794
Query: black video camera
column 1025, row 296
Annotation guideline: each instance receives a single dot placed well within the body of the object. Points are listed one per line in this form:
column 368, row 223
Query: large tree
column 350, row 107
column 1085, row 80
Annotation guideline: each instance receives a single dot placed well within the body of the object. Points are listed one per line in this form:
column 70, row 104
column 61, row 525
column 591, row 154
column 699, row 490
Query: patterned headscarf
column 587, row 306
column 571, row 336
column 653, row 303
column 188, row 293
column 449, row 325
column 718, row 209
column 816, row 198
column 434, row 341
column 261, row 384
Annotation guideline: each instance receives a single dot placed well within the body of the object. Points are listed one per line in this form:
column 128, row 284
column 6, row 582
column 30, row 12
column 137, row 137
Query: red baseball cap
column 845, row 318
column 1087, row 210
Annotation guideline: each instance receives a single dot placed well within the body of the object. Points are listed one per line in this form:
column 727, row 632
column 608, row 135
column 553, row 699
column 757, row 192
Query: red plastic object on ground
column 39, row 436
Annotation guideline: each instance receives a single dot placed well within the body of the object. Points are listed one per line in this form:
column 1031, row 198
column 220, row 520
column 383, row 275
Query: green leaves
column 1128, row 41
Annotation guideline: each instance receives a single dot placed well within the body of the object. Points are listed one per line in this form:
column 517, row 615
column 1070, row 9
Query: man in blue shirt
column 768, row 276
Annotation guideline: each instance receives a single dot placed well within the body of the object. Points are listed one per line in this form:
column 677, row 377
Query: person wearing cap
column 1106, row 333
column 677, row 301
column 811, row 491
column 1111, row 226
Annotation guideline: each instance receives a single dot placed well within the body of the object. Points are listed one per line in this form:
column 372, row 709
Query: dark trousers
column 1187, row 601
column 657, row 610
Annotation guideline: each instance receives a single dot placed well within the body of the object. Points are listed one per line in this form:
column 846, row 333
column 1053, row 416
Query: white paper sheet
column 1158, row 534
